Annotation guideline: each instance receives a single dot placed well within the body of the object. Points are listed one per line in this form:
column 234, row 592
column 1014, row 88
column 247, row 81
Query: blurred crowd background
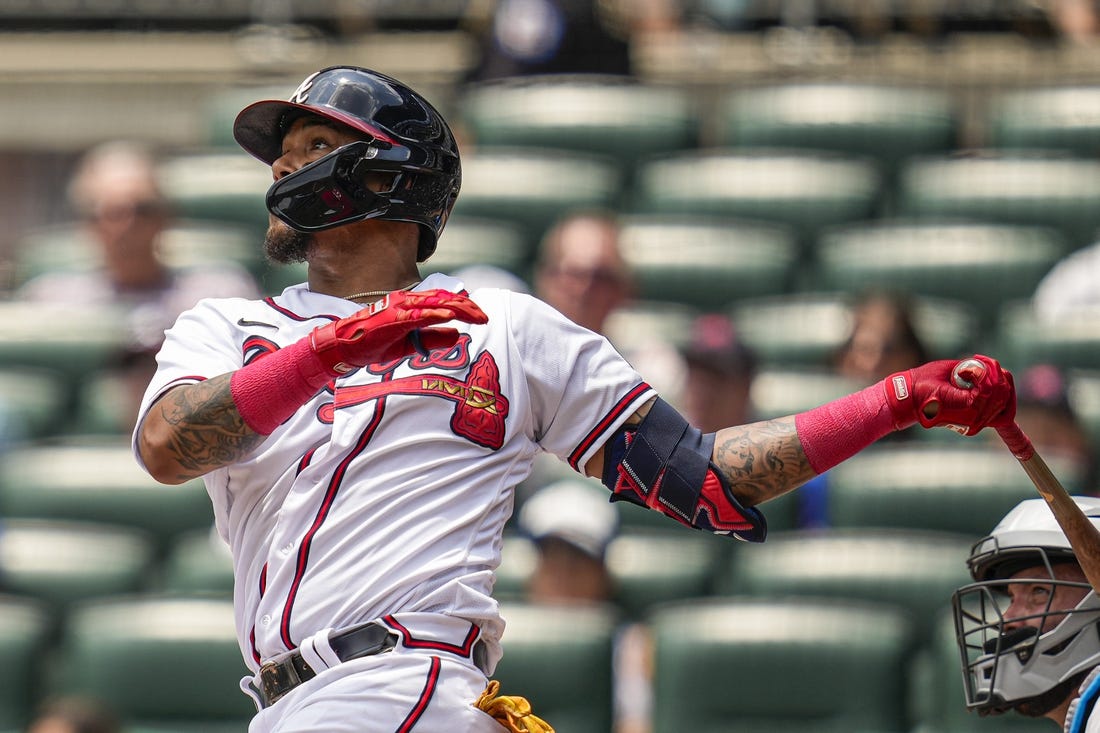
column 764, row 204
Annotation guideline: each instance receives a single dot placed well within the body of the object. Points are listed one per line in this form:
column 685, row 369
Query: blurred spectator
column 1076, row 21
column 1069, row 288
column 529, row 37
column 74, row 714
column 883, row 339
column 719, row 369
column 580, row 270
column 572, row 524
column 123, row 212
column 1044, row 412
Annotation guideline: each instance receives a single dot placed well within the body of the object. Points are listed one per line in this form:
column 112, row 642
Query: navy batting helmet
column 406, row 136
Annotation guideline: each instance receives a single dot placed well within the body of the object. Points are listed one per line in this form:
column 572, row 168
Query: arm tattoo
column 208, row 431
column 762, row 460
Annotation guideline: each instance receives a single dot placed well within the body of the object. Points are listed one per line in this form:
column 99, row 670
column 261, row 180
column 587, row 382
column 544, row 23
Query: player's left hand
column 393, row 327
column 932, row 395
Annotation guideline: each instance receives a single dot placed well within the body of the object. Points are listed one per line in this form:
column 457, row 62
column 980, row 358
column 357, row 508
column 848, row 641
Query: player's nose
column 284, row 165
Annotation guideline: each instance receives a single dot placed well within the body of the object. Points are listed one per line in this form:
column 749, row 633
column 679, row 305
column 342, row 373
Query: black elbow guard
column 665, row 464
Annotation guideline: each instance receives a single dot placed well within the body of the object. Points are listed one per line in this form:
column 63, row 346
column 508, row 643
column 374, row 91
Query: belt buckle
column 277, row 679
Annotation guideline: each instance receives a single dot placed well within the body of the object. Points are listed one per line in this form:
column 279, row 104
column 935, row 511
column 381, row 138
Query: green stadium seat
column 100, row 481
column 642, row 323
column 806, row 191
column 164, row 664
column 24, row 643
column 198, row 563
column 963, row 486
column 104, row 407
column 805, row 329
column 650, row 567
column 66, row 247
column 779, row 391
column 1053, row 118
column 221, row 107
column 61, row 563
column 937, row 697
column 560, row 659
column 889, row 123
column 707, row 263
column 1025, row 339
column 914, row 571
column 71, row 341
column 219, row 187
column 466, row 242
column 606, row 115
column 1052, row 191
column 33, row 403
column 533, row 187
column 984, row 265
column 801, row 329
column 779, row 666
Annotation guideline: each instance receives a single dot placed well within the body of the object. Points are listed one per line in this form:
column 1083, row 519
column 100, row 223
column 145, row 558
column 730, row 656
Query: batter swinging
column 360, row 434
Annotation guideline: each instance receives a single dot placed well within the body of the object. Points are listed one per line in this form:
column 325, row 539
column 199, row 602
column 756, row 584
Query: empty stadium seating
column 166, row 664
column 560, row 659
column 779, row 666
column 613, row 116
column 887, row 121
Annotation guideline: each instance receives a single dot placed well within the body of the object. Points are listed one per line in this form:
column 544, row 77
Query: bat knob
column 966, row 371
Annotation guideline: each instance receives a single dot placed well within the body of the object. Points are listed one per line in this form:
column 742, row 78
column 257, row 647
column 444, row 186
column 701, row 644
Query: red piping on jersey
column 463, row 650
column 306, row 459
column 425, row 697
column 322, row 514
column 252, row 634
column 615, row 413
column 270, row 303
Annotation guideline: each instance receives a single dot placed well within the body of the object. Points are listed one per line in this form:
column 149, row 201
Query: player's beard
column 285, row 245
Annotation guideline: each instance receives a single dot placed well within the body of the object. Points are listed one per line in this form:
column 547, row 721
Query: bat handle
column 1017, row 441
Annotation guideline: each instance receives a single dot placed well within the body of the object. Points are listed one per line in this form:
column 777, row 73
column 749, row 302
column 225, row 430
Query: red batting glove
column 391, row 328
column 928, row 394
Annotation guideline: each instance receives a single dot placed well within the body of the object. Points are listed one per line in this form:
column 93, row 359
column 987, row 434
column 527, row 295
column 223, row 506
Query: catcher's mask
column 405, row 137
column 1009, row 661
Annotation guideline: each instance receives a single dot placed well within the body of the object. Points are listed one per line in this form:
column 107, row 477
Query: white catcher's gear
column 1006, row 666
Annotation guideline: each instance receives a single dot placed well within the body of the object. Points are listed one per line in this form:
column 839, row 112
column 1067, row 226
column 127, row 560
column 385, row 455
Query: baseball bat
column 1082, row 534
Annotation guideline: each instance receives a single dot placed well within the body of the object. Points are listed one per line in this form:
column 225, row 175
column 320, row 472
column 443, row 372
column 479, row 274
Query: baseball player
column 361, row 433
column 1028, row 628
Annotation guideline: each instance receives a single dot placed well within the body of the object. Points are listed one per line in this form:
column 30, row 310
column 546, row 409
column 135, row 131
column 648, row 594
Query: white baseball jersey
column 1082, row 716
column 389, row 490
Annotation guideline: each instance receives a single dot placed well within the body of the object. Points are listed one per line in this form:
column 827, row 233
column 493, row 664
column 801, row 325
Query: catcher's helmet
column 1005, row 661
column 407, row 137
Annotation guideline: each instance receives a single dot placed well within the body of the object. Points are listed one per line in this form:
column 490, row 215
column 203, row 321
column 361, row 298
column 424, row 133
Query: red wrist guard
column 272, row 388
column 837, row 430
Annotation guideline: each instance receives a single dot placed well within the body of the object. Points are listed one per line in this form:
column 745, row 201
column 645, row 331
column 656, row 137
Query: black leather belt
column 278, row 677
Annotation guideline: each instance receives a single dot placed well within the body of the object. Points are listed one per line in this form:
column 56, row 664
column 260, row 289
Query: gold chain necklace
column 373, row 293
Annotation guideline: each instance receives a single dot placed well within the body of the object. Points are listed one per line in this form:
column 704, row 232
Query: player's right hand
column 930, row 395
column 384, row 330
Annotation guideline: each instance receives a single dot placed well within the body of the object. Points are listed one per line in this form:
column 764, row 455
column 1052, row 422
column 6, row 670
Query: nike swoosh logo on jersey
column 244, row 322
